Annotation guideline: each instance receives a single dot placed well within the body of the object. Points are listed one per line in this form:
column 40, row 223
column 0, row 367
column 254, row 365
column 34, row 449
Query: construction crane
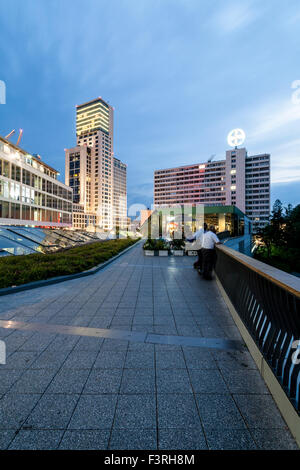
column 13, row 132
column 20, row 136
column 211, row 158
column 10, row 134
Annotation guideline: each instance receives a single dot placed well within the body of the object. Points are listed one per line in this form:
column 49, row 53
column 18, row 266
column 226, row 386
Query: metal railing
column 223, row 235
column 268, row 303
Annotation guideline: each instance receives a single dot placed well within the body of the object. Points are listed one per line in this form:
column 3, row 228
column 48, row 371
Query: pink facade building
column 239, row 180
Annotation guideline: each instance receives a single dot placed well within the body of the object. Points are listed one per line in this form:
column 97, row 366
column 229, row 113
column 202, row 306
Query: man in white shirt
column 199, row 237
column 209, row 240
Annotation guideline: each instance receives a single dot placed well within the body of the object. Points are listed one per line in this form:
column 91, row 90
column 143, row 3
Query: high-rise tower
column 120, row 193
column 94, row 129
column 97, row 178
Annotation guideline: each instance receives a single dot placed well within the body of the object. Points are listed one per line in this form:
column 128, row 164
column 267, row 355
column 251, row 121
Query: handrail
column 267, row 301
column 282, row 279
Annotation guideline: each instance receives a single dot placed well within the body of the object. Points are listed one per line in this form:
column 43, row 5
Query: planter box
column 149, row 252
column 163, row 253
column 178, row 252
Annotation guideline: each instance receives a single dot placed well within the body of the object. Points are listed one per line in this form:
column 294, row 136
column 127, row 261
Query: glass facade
column 74, row 175
column 16, row 240
column 187, row 219
column 30, row 191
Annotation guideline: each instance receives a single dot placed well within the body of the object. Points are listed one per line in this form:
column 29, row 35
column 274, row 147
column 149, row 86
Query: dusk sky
column 180, row 74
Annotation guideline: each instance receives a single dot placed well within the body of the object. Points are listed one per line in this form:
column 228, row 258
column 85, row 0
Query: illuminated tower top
column 92, row 116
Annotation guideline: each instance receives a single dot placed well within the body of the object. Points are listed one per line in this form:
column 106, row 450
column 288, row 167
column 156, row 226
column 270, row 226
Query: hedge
column 17, row 270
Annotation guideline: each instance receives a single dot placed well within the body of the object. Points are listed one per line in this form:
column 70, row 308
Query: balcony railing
column 268, row 303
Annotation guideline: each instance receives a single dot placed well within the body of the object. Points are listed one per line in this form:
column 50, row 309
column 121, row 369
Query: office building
column 145, row 214
column 30, row 193
column 82, row 219
column 119, row 193
column 239, row 180
column 90, row 166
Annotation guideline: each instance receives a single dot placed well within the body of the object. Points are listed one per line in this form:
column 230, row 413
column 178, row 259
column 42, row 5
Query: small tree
column 277, row 221
column 266, row 236
column 272, row 234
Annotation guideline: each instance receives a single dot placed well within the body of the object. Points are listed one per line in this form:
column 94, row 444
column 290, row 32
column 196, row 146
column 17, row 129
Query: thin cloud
column 275, row 125
column 272, row 117
column 235, row 16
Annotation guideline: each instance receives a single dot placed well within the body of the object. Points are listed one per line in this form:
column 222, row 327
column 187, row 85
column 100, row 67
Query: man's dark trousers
column 208, row 257
column 199, row 262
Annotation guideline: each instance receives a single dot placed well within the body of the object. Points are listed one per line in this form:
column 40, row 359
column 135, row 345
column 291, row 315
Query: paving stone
column 230, row 439
column 110, row 359
column 63, row 342
column 85, row 440
column 177, row 411
column 102, row 381
column 136, row 412
column 274, row 439
column 53, row 411
column 68, row 381
column 170, row 360
column 34, row 381
column 181, row 439
column 219, row 411
column 135, row 382
column 212, row 332
column 236, row 359
column 20, row 360
column 37, row 342
column 8, row 377
column 50, row 360
column 167, row 347
column 245, row 381
column 225, row 366
column 5, row 332
column 114, row 345
column 80, row 360
column 143, row 347
column 14, row 409
column 259, row 411
column 6, row 436
column 196, row 358
column 133, row 439
column 17, row 339
column 143, row 320
column 139, row 360
column 207, row 381
column 94, row 412
column 173, row 381
column 87, row 343
column 36, row 440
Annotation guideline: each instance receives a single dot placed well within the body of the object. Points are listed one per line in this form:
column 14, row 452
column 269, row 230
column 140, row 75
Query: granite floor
column 142, row 355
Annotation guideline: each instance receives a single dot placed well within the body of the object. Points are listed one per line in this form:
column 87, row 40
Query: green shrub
column 17, row 270
column 162, row 245
column 177, row 244
column 152, row 244
column 149, row 244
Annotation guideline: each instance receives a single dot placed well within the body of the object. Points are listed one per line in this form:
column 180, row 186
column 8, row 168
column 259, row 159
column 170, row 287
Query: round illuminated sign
column 236, row 137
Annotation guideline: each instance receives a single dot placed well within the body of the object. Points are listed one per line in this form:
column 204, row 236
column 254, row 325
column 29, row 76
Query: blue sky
column 180, row 73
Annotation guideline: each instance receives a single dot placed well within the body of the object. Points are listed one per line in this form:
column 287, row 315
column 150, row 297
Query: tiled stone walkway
column 69, row 391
